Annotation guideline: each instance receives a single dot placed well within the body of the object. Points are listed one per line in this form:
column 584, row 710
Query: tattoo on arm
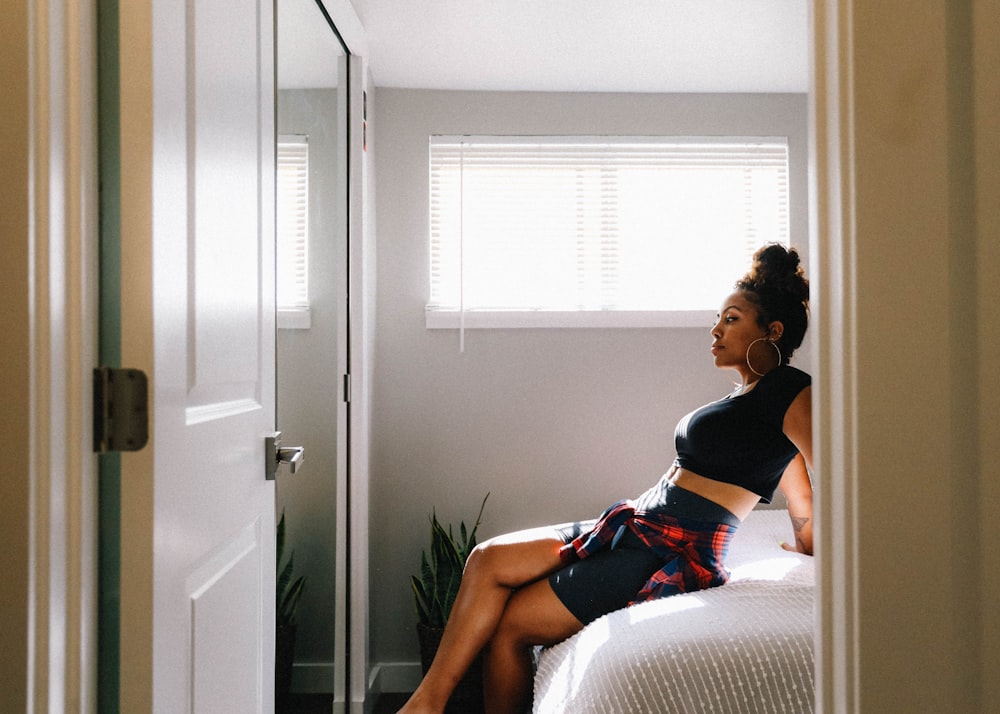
column 798, row 523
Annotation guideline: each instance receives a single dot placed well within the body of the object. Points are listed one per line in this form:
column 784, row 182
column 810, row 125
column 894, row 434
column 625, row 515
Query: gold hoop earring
column 750, row 347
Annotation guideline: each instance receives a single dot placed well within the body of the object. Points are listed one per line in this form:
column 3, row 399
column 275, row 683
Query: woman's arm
column 797, row 488
column 795, row 483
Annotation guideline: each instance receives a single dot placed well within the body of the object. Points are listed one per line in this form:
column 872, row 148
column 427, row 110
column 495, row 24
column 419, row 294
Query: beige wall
column 907, row 245
column 48, row 250
column 15, row 417
column 984, row 152
column 556, row 423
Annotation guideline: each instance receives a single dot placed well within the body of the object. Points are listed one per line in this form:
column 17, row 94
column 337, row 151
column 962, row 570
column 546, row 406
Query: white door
column 197, row 521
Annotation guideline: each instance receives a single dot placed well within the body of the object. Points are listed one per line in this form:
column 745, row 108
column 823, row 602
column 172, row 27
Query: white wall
column 556, row 424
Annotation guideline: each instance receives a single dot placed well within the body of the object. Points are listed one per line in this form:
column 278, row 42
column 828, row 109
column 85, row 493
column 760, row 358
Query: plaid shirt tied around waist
column 693, row 551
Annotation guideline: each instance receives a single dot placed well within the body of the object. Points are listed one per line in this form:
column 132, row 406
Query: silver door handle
column 275, row 455
column 291, row 455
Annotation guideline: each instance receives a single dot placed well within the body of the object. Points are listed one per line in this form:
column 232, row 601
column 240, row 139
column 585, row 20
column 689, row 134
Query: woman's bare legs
column 534, row 616
column 494, row 570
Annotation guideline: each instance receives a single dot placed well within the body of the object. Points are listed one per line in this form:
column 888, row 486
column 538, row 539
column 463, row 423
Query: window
column 292, row 252
column 529, row 231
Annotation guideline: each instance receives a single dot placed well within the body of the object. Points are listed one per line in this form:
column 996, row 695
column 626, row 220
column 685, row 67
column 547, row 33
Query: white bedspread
column 744, row 647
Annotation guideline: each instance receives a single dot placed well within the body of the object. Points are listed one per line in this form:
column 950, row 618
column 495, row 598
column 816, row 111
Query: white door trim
column 362, row 326
column 834, row 403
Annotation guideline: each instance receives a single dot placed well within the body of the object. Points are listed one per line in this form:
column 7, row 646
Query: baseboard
column 393, row 677
column 312, row 677
column 385, row 678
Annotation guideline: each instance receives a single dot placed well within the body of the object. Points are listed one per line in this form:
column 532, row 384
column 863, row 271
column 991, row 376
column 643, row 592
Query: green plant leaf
column 441, row 568
column 289, row 604
column 287, row 591
column 285, row 576
column 280, row 538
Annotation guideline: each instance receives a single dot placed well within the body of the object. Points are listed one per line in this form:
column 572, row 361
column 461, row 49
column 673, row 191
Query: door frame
column 49, row 202
column 905, row 167
column 49, row 219
column 361, row 280
column 352, row 497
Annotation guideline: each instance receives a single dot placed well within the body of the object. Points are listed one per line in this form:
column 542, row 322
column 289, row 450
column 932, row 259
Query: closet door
column 312, row 338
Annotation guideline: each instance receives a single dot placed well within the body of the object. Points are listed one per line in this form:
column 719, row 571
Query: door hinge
column 121, row 415
column 347, row 388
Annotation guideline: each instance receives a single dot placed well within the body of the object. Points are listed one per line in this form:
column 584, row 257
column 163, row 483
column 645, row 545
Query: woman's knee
column 486, row 563
column 482, row 557
column 512, row 563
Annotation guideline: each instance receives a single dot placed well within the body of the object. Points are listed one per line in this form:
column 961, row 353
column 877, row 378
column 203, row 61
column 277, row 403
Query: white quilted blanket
column 744, row 647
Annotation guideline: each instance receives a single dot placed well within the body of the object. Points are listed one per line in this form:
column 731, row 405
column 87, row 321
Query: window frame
column 439, row 317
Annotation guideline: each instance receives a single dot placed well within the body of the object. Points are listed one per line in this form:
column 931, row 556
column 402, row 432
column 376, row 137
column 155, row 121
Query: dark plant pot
column 468, row 695
column 284, row 655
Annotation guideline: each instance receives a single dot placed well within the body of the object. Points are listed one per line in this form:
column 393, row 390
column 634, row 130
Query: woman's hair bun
column 778, row 286
column 777, row 268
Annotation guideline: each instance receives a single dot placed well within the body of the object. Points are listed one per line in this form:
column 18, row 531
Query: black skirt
column 610, row 579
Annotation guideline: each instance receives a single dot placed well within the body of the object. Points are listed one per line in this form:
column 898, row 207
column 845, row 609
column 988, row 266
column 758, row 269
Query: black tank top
column 739, row 439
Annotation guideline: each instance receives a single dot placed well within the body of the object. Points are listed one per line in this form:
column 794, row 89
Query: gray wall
column 556, row 424
column 308, row 383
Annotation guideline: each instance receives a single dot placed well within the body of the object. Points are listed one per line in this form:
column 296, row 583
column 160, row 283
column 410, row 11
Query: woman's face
column 735, row 329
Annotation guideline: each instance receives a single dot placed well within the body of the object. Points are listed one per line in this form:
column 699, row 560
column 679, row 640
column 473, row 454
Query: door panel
column 224, row 280
column 197, row 515
column 228, row 581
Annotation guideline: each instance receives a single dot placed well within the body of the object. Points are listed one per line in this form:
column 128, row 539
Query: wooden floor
column 323, row 704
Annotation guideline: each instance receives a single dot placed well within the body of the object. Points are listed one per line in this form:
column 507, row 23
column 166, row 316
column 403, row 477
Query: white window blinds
column 599, row 224
column 293, row 225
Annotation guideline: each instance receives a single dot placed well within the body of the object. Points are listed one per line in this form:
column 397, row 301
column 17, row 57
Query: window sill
column 299, row 318
column 504, row 319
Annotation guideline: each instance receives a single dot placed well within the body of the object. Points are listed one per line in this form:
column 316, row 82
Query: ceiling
column 306, row 46
column 589, row 45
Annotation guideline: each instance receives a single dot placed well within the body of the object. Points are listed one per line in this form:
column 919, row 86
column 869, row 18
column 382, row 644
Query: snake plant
column 288, row 590
column 434, row 590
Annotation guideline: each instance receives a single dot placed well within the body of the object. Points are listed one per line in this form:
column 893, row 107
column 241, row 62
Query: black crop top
column 739, row 439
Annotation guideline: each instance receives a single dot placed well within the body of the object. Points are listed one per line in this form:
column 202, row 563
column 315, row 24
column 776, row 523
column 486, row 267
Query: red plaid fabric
column 693, row 552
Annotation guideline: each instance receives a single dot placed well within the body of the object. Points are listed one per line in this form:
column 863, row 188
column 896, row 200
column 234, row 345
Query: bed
column 744, row 647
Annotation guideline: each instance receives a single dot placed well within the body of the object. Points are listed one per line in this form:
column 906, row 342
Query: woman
column 540, row 586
